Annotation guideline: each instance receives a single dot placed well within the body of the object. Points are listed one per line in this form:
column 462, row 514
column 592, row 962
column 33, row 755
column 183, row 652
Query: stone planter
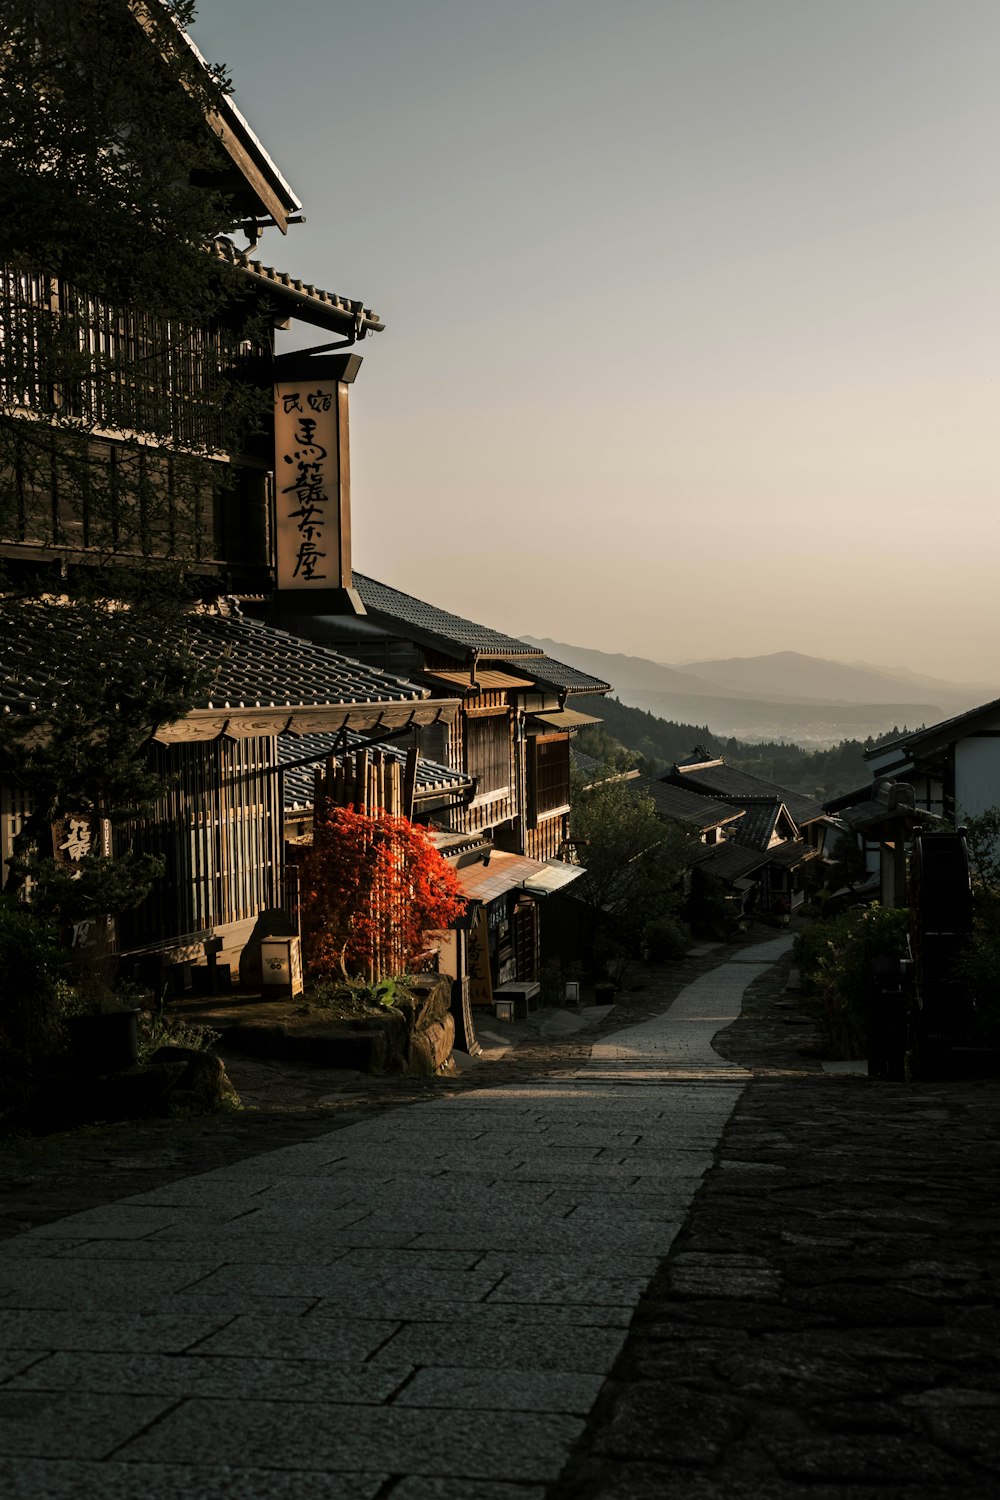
column 414, row 1036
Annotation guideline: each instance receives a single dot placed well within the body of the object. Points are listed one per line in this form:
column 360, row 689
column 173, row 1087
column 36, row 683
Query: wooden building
column 136, row 468
column 760, row 856
column 510, row 740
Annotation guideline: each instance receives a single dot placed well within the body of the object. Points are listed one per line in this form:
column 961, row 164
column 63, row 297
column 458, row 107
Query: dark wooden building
column 115, row 452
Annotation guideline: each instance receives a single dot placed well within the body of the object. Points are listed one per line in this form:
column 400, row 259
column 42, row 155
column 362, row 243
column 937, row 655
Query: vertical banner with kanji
column 308, row 488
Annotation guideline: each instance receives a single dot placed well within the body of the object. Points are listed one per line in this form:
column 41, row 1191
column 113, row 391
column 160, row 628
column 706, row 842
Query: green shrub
column 979, row 965
column 666, row 937
column 32, row 965
column 164, row 1030
column 836, row 960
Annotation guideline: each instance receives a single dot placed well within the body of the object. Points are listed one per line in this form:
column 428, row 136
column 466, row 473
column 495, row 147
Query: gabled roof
column 432, row 780
column 937, row 736
column 757, row 827
column 276, row 199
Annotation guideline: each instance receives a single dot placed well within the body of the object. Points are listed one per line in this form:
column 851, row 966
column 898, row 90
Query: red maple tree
column 372, row 887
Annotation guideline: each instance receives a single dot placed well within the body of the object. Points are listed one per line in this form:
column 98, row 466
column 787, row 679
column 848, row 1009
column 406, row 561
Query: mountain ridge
column 759, row 699
column 781, row 676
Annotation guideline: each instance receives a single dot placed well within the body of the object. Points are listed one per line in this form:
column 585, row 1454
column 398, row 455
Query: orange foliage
column 372, row 886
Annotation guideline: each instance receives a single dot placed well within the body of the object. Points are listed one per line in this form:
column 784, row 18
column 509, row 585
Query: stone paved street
column 467, row 1295
column 423, row 1303
column 827, row 1322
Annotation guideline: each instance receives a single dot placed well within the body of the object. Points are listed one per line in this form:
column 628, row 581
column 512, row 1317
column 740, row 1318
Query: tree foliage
column 655, row 744
column 107, row 673
column 372, row 888
column 634, row 865
column 836, row 958
column 102, row 142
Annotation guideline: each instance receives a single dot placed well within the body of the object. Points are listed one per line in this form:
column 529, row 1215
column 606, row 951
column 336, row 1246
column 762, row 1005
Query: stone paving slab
column 224, row 1376
column 36, row 1479
column 419, row 1487
column 458, row 1284
column 462, row 1389
column 320, row 1437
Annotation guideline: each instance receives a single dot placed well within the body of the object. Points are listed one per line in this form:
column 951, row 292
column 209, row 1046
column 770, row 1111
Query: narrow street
column 665, row 1269
column 434, row 1294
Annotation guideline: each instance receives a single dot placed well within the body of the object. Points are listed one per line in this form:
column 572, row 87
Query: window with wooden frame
column 487, row 752
column 549, row 775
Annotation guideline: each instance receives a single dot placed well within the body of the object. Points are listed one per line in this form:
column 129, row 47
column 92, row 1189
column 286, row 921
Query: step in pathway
column 424, row 1304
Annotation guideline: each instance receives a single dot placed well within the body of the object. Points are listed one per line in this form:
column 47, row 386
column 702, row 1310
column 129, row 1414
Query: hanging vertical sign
column 312, row 482
column 307, row 484
column 480, row 982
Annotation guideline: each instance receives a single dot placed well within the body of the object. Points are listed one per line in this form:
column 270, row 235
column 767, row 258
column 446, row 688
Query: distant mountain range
column 783, row 696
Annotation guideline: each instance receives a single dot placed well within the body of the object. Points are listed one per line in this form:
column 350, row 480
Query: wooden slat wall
column 148, row 374
column 492, row 762
column 367, row 780
column 219, row 828
column 546, row 841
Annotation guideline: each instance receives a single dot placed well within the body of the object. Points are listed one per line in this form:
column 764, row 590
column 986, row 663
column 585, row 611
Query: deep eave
column 226, row 122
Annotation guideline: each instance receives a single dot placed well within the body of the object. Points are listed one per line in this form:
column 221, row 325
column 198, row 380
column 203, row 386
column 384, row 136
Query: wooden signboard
column 312, row 485
column 480, row 983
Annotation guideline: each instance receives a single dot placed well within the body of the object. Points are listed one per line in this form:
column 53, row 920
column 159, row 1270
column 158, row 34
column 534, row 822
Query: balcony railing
column 66, row 354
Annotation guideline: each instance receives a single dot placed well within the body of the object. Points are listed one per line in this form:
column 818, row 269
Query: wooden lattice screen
column 368, row 781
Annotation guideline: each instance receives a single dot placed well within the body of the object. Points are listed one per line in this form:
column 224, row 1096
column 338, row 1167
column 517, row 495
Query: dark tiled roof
column 789, row 856
column 255, row 664
column 729, row 862
column 586, row 765
column 719, row 780
column 676, row 804
column 432, row 779
column 429, row 622
column 325, row 309
column 558, row 675
column 250, row 664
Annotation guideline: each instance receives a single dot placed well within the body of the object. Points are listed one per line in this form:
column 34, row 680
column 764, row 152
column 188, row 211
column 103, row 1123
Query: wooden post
column 410, row 781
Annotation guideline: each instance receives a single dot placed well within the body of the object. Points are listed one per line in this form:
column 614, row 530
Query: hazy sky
column 692, row 307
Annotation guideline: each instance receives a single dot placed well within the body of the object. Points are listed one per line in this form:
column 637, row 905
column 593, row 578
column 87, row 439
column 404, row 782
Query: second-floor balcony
column 71, row 357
